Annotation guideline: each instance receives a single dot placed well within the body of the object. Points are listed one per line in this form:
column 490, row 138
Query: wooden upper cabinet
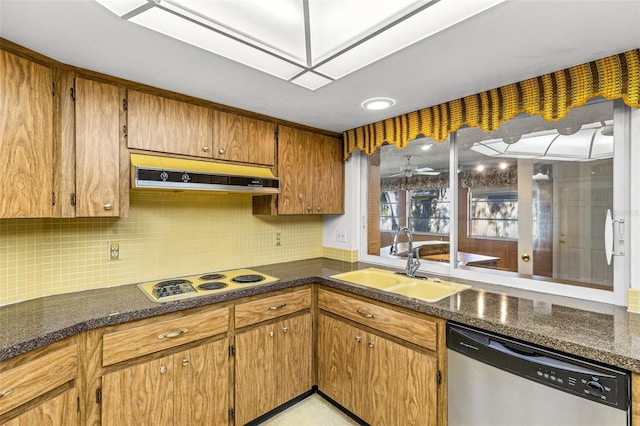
column 156, row 123
column 243, row 139
column 311, row 172
column 97, row 148
column 26, row 138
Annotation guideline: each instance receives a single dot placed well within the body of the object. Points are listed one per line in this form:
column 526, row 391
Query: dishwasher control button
column 595, row 388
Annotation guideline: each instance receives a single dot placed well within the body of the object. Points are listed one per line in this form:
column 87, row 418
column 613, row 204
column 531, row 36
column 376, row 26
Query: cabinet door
column 294, row 358
column 243, row 139
column 160, row 124
column 401, row 384
column 97, row 149
column 60, row 410
column 328, row 194
column 255, row 373
column 341, row 362
column 295, row 169
column 202, row 385
column 139, row 395
column 26, row 138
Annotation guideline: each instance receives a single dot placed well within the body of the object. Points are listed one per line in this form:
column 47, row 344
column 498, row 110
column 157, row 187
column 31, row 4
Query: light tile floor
column 311, row 411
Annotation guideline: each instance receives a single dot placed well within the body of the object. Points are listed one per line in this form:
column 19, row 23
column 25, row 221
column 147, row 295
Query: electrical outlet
column 341, row 236
column 278, row 241
column 114, row 250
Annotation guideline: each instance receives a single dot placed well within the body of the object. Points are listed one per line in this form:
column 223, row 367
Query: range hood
column 155, row 172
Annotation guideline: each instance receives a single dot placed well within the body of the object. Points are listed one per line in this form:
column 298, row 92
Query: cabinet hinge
column 72, row 93
column 125, row 104
column 53, row 88
column 53, row 198
column 232, row 350
column 232, row 414
column 73, row 199
column 99, row 396
column 439, row 377
column 124, row 131
column 78, row 406
column 275, row 135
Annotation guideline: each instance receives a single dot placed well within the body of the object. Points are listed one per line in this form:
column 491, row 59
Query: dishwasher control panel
column 587, row 379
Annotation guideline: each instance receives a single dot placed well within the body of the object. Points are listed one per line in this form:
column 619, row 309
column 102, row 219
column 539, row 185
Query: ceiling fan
column 409, row 169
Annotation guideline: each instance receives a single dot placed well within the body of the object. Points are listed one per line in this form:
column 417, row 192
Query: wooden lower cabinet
column 381, row 381
column 635, row 399
column 186, row 388
column 273, row 365
column 59, row 410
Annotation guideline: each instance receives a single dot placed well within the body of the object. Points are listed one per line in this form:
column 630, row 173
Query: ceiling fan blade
column 424, row 169
column 426, row 173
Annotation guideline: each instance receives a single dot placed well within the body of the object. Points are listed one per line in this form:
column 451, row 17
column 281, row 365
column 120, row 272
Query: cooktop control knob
column 595, row 388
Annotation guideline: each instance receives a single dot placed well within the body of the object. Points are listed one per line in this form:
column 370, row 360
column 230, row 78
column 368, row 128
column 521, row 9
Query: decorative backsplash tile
column 340, row 254
column 166, row 235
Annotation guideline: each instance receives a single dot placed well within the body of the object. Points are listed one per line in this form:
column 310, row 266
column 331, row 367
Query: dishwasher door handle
column 540, row 359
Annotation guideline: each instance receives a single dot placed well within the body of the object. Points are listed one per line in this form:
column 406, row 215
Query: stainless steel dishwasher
column 495, row 381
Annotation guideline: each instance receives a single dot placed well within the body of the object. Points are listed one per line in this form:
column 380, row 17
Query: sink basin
column 427, row 289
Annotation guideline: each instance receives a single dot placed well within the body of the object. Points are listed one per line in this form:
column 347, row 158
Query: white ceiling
column 513, row 41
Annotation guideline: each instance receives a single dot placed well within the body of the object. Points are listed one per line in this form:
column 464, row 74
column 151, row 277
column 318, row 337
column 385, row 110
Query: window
column 493, row 214
column 429, row 212
column 532, row 190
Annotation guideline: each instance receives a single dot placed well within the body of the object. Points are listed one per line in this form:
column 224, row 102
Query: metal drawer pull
column 163, row 369
column 173, row 333
column 371, row 343
column 358, row 338
column 271, row 333
column 285, row 329
column 275, row 308
column 365, row 314
column 185, row 362
column 6, row 392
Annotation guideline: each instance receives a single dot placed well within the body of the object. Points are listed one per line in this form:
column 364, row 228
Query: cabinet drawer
column 272, row 307
column 413, row 328
column 145, row 339
column 37, row 376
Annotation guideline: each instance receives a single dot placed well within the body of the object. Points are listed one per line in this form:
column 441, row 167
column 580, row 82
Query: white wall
column 634, row 211
column 349, row 222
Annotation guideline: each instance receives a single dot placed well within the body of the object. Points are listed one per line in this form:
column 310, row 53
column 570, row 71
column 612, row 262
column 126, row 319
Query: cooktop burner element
column 212, row 277
column 212, row 285
column 172, row 288
column 203, row 284
column 249, row 278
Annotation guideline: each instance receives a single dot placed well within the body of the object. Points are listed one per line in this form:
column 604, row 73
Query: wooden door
column 97, row 149
column 139, row 395
column 165, row 125
column 294, row 358
column 255, row 373
column 202, row 385
column 295, row 164
column 340, row 358
column 328, row 185
column 401, row 384
column 59, row 410
column 243, row 139
column 26, row 138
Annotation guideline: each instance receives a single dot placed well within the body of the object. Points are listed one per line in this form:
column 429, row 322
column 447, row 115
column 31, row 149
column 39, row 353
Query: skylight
column 310, row 43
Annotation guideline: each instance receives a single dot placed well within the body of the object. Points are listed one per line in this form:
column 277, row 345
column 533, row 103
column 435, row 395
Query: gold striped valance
column 551, row 96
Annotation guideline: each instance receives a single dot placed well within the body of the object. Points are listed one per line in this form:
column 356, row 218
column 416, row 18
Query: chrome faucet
column 412, row 264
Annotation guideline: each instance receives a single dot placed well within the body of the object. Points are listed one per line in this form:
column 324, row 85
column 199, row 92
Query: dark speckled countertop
column 592, row 330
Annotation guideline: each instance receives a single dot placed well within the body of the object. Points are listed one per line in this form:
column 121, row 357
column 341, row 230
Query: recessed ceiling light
column 378, row 103
column 503, row 166
column 480, row 168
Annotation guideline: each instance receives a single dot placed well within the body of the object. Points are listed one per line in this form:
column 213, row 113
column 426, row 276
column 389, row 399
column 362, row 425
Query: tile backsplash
column 166, row 235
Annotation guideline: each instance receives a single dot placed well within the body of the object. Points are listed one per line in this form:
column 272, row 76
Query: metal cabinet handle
column 526, row 257
column 163, row 369
column 205, row 148
column 365, row 314
column 221, row 150
column 173, row 333
column 371, row 343
column 6, row 392
column 358, row 338
column 285, row 329
column 309, row 208
column 276, row 307
column 319, row 208
column 271, row 333
column 108, row 206
column 185, row 362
